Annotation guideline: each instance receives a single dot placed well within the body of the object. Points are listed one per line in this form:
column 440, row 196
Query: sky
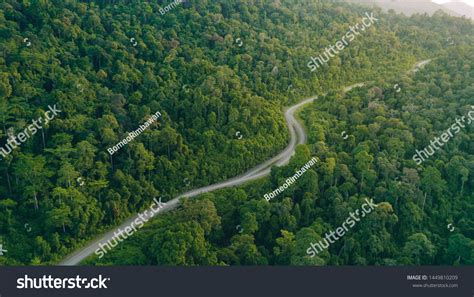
column 470, row 2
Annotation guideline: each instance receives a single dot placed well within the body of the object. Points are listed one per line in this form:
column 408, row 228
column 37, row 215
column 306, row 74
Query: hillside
column 460, row 8
column 408, row 7
column 212, row 70
column 416, row 202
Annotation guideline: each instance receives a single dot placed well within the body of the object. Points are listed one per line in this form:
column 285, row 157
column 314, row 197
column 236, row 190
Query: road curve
column 297, row 136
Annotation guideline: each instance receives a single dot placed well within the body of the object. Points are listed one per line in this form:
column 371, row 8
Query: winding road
column 297, row 136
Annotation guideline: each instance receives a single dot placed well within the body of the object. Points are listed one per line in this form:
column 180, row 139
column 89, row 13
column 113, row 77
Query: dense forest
column 385, row 127
column 109, row 65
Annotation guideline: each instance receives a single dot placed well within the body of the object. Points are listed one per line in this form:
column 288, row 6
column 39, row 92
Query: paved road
column 297, row 136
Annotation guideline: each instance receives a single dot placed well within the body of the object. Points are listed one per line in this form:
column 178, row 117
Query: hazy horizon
column 469, row 2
